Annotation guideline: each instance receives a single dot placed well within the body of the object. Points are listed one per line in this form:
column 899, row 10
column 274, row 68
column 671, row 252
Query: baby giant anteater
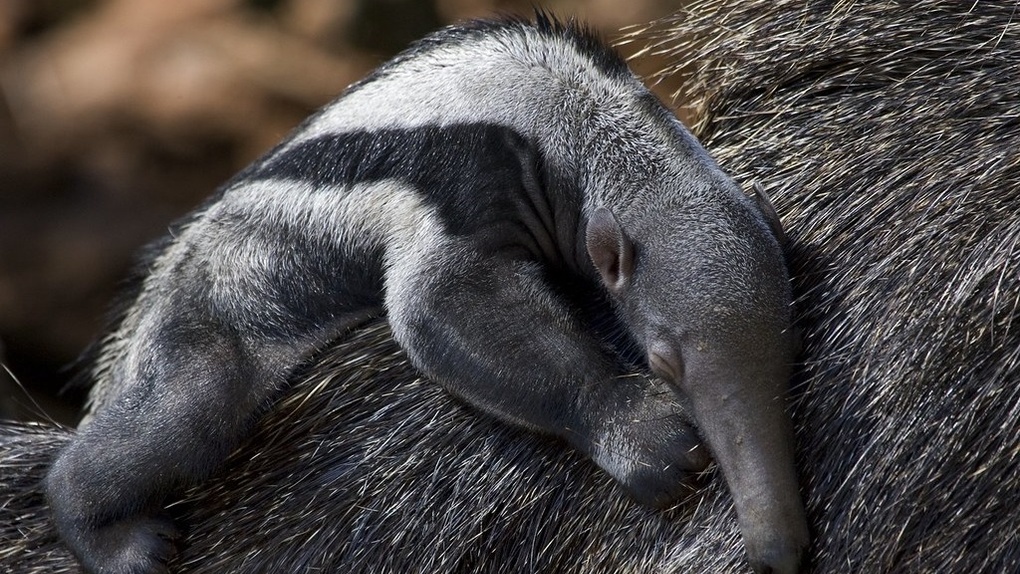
column 482, row 189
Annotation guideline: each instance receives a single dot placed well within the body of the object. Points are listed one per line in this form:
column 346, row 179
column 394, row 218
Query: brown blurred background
column 117, row 116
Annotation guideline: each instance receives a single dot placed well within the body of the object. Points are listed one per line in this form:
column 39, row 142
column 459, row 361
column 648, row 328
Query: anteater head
column 703, row 287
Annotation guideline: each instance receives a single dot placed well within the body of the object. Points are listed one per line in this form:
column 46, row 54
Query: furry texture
column 887, row 135
column 379, row 482
column 482, row 190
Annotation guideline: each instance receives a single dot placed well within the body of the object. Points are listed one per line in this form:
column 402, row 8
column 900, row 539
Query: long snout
column 742, row 414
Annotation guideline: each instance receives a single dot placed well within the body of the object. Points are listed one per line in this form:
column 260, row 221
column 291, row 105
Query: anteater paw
column 653, row 459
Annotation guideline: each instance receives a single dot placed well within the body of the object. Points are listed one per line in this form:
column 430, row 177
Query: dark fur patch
column 485, row 181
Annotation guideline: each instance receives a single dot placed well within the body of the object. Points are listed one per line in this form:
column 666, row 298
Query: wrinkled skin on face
column 707, row 296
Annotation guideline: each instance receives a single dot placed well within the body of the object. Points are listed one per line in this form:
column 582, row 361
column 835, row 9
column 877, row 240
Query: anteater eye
column 663, row 367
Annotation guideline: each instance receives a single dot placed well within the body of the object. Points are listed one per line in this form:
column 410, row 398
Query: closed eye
column 664, row 368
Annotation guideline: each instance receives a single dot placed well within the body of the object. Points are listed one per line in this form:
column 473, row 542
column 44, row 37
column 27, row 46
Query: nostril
column 765, row 568
column 782, row 560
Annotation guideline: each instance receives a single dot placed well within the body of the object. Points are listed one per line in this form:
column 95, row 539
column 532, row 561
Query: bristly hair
column 585, row 38
column 83, row 368
column 581, row 35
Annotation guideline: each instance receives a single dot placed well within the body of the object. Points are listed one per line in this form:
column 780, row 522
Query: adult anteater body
column 888, row 135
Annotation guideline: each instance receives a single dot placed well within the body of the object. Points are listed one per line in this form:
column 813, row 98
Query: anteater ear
column 771, row 217
column 610, row 250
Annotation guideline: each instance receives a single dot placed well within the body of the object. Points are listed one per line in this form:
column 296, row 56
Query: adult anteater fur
column 888, row 134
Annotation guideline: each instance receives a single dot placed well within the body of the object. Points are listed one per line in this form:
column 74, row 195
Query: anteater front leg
column 492, row 332
column 196, row 389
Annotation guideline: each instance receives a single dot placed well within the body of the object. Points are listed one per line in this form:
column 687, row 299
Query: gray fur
column 906, row 404
column 455, row 191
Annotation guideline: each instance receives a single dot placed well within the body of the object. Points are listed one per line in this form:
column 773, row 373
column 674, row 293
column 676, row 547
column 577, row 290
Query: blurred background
column 118, row 116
